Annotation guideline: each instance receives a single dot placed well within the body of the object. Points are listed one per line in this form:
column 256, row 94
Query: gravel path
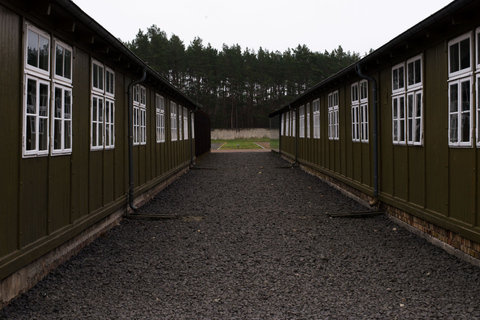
column 254, row 241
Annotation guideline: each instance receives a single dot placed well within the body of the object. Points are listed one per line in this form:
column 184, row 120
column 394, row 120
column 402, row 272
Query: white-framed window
column 398, row 119
column 185, row 123
column 460, row 91
column 287, row 124
column 407, row 102
column 160, row 119
column 460, row 118
column 333, row 116
column 62, row 120
column 355, row 112
column 173, row 120
column 109, row 123
column 359, row 99
column 109, row 82
column 98, row 77
column 316, row 119
column 102, row 131
column 180, row 122
column 398, row 78
column 37, row 51
column 97, row 113
column 63, row 62
column 139, row 115
column 414, row 117
column 36, row 95
column 308, row 111
column 36, row 115
column 460, row 56
column 301, row 123
column 282, row 124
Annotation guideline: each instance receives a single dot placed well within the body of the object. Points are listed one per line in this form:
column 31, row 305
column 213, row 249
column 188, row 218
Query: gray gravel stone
column 254, row 241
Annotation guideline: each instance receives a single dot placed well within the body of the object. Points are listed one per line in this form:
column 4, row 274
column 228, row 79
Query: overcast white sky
column 356, row 25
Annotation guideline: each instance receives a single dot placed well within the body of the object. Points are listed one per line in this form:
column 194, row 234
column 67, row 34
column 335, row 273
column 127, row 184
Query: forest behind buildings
column 237, row 87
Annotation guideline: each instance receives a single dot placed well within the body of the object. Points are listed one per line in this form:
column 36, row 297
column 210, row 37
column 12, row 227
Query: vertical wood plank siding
column 10, row 126
column 434, row 182
column 47, row 200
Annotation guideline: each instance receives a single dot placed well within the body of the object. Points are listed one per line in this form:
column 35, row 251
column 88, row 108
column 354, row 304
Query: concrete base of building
column 25, row 278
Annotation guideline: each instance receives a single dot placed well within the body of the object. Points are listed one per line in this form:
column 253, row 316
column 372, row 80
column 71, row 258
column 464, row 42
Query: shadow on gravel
column 249, row 241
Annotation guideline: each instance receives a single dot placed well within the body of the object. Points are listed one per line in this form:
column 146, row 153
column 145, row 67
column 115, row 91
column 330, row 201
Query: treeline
column 237, row 88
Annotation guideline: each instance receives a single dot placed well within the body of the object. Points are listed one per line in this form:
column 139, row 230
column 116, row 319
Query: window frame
column 400, row 89
column 37, row 117
column 398, row 120
column 36, row 70
column 316, row 119
column 308, row 110
column 185, row 123
column 63, row 120
column 459, row 112
column 109, row 122
column 333, row 116
column 99, row 77
column 173, row 121
column 62, row 78
column 139, row 115
column 461, row 72
column 415, row 85
column 301, row 119
column 160, row 118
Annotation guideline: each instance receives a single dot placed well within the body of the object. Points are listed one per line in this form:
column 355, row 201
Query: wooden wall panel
column 10, row 126
column 59, row 192
column 81, row 134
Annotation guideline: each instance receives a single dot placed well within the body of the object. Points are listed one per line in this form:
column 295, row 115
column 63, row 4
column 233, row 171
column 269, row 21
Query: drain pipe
column 296, row 137
column 191, row 136
column 374, row 201
column 130, row 137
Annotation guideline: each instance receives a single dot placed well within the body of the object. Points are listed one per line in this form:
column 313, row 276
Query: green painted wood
column 10, row 127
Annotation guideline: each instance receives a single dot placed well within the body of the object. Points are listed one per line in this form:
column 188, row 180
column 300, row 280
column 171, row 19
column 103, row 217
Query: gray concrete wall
column 230, row 134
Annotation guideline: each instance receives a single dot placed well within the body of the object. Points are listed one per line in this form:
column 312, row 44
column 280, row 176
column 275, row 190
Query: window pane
column 68, row 134
column 465, row 127
column 31, row 133
column 395, row 108
column 410, row 105
column 454, row 97
column 410, row 73
column 42, row 134
column 453, row 127
column 94, row 109
column 465, row 54
column 466, row 96
column 401, row 80
column 417, row 130
column 100, row 78
column 402, row 130
column 95, row 76
column 454, row 58
column 100, row 110
column 57, row 138
column 43, row 107
column 32, row 96
column 59, row 60
column 32, row 49
column 68, row 105
column 58, row 103
column 418, row 73
column 43, row 56
column 395, row 79
column 418, row 105
column 68, row 64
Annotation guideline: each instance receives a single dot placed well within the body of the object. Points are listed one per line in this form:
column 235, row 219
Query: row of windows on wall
column 407, row 101
column 48, row 102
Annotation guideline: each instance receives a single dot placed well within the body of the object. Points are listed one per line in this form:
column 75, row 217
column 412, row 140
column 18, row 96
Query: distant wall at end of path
column 231, row 134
